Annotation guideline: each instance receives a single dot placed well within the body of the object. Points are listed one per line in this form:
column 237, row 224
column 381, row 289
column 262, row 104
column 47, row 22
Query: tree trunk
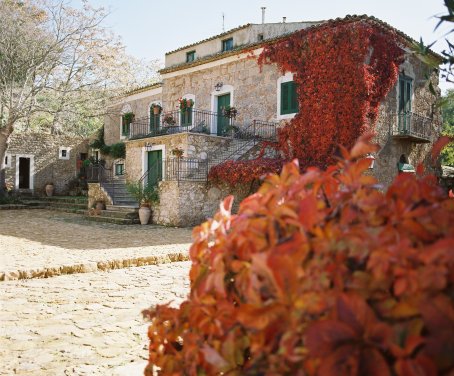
column 5, row 133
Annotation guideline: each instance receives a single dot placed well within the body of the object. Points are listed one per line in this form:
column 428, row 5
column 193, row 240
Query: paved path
column 83, row 324
column 42, row 243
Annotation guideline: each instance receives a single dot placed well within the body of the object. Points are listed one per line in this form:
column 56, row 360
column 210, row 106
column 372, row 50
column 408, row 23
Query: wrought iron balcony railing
column 411, row 126
column 171, row 122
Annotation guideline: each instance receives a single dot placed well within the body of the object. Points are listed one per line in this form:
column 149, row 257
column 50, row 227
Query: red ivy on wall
column 237, row 172
column 343, row 70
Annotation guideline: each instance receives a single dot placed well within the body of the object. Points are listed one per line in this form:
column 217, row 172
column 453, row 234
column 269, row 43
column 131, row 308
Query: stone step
column 67, row 210
column 66, row 199
column 119, row 214
column 118, row 221
column 55, row 204
column 124, row 203
column 124, row 208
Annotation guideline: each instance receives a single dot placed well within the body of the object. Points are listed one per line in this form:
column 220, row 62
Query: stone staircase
column 120, row 215
column 67, row 204
column 124, row 210
column 116, row 189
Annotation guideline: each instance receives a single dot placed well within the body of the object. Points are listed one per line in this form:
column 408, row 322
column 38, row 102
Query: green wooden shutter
column 289, row 101
column 186, row 117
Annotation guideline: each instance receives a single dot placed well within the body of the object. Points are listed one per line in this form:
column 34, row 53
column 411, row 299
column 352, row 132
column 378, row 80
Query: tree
column 58, row 66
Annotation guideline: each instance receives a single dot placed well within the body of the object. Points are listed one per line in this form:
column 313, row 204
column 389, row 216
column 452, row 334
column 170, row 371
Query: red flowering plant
column 184, row 104
column 318, row 274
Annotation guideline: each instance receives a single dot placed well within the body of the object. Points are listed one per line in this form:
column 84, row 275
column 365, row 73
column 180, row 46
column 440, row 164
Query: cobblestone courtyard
column 84, row 323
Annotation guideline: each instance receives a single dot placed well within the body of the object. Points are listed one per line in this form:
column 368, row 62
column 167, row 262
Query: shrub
column 118, row 150
column 144, row 195
column 319, row 273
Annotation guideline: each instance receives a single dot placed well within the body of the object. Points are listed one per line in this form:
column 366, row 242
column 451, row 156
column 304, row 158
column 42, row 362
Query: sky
column 149, row 28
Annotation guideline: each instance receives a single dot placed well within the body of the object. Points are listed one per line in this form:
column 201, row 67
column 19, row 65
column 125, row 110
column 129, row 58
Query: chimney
column 284, row 19
column 263, row 15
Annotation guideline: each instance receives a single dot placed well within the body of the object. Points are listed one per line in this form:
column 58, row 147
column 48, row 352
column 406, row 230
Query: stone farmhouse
column 219, row 75
column 34, row 159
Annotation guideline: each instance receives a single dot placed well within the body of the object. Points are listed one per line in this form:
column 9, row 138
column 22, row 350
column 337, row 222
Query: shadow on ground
column 74, row 231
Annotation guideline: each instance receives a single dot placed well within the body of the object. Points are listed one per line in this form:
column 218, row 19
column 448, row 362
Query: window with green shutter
column 186, row 117
column 190, row 56
column 126, row 121
column 119, row 169
column 289, row 102
column 227, row 44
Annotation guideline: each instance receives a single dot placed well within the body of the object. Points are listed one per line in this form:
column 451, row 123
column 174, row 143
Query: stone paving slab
column 43, row 243
column 84, row 324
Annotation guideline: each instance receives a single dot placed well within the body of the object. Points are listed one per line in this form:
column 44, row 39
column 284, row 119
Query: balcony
column 412, row 127
column 172, row 122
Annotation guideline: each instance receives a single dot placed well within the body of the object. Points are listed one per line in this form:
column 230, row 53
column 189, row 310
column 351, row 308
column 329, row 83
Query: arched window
column 155, row 110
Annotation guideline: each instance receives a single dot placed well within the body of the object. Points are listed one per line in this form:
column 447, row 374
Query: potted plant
column 230, row 112
column 185, row 104
column 157, row 108
column 49, row 189
column 177, row 152
column 169, row 120
column 145, row 195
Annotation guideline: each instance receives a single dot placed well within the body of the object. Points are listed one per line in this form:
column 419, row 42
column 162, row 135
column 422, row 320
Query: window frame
column 227, row 44
column 8, row 160
column 117, row 165
column 289, row 106
column 125, row 125
column 190, row 56
column 65, row 149
column 288, row 77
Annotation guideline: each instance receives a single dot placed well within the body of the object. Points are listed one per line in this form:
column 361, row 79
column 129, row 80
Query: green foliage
column 143, row 194
column 128, row 117
column 318, row 274
column 423, row 51
column 105, row 149
column 447, row 155
column 118, row 150
column 99, row 142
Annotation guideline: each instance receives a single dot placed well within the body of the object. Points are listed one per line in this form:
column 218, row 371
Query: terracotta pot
column 49, row 190
column 100, row 206
column 144, row 215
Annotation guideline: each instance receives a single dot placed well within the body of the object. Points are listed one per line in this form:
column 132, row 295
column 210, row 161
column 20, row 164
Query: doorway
column 223, row 121
column 154, row 166
column 24, row 173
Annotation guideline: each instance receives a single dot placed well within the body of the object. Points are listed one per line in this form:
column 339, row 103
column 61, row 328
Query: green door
column 404, row 103
column 154, row 167
column 223, row 122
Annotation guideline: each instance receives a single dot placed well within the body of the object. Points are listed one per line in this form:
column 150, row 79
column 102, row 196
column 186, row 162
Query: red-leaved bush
column 319, row 273
column 343, row 70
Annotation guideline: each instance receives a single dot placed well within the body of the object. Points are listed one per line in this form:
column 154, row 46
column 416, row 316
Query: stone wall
column 139, row 104
column 423, row 103
column 191, row 203
column 254, row 92
column 194, row 145
column 241, row 36
column 43, row 151
column 97, row 194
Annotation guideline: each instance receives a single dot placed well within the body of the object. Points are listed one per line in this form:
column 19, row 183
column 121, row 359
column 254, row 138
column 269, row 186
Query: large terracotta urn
column 49, row 188
column 144, row 214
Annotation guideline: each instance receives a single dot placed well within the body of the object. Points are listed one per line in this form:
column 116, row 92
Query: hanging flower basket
column 177, row 152
column 185, row 104
column 229, row 112
column 157, row 108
